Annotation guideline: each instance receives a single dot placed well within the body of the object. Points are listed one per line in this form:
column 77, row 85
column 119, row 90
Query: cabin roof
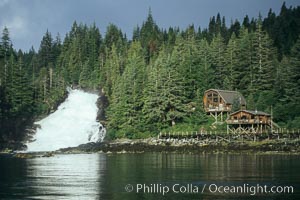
column 252, row 112
column 229, row 96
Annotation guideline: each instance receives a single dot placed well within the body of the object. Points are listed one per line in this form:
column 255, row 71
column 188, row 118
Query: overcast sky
column 28, row 20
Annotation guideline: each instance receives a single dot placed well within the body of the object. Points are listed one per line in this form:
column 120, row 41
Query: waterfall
column 72, row 124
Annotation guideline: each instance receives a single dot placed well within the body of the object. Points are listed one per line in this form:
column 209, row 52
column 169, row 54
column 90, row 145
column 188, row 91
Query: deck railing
column 247, row 121
column 218, row 109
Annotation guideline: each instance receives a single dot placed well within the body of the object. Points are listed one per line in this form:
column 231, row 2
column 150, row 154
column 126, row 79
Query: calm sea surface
column 147, row 176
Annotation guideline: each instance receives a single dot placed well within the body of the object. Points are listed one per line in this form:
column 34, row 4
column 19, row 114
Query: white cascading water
column 72, row 124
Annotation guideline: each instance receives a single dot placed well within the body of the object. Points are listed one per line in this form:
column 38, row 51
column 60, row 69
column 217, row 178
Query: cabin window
column 252, row 116
column 244, row 117
column 215, row 99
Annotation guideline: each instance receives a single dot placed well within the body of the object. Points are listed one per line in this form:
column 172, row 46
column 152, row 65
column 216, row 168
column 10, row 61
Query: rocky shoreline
column 172, row 146
column 184, row 146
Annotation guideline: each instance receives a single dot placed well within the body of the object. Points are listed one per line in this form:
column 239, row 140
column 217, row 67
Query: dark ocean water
column 148, row 176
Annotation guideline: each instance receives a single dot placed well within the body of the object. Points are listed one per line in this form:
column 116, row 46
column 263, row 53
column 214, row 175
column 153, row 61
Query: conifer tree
column 85, row 75
column 45, row 52
column 242, row 70
column 263, row 65
column 127, row 96
column 294, row 83
column 205, row 78
column 112, row 69
column 5, row 52
column 217, row 52
column 154, row 98
column 150, row 37
column 232, row 53
column 165, row 101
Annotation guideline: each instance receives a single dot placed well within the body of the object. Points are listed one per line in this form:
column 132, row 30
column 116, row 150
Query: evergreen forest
column 155, row 80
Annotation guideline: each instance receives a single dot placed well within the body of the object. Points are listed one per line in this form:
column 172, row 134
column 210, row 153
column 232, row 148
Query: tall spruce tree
column 126, row 107
column 150, row 37
column 5, row 52
column 294, row 78
column 263, row 62
column 243, row 70
column 46, row 56
column 112, row 69
column 217, row 54
column 231, row 74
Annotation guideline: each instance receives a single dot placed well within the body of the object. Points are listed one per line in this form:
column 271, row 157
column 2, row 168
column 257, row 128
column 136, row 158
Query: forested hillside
column 156, row 80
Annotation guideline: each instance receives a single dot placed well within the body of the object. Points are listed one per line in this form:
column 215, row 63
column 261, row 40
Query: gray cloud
column 28, row 20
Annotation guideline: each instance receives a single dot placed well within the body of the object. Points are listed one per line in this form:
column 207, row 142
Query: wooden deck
column 246, row 121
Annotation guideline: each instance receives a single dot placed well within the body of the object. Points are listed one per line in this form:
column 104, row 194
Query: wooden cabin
column 248, row 121
column 249, row 117
column 222, row 100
